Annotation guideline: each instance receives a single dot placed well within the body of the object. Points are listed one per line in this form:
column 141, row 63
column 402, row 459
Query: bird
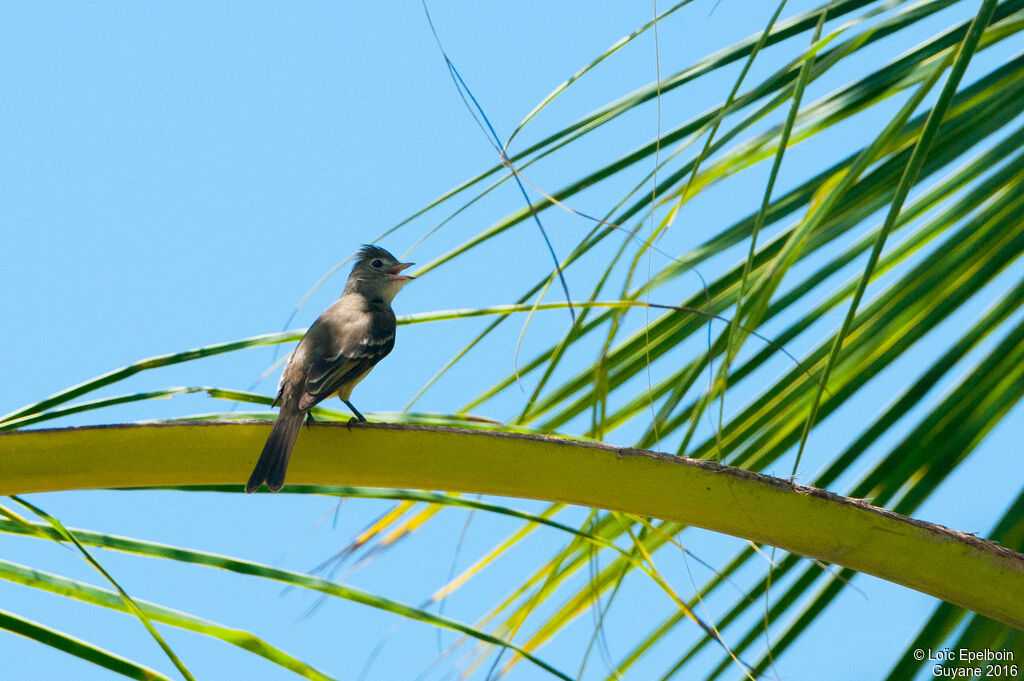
column 337, row 352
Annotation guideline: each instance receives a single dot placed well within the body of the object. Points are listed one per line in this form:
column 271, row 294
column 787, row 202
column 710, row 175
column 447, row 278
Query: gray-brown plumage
column 337, row 352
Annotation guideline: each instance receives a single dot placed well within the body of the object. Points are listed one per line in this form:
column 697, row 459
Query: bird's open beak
column 395, row 272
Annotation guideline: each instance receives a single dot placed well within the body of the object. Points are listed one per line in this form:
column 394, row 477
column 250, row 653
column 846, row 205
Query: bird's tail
column 274, row 460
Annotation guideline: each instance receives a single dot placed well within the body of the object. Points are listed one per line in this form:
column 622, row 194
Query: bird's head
column 377, row 274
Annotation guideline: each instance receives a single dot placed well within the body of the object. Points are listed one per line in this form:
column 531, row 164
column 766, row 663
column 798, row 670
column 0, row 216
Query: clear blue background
column 175, row 175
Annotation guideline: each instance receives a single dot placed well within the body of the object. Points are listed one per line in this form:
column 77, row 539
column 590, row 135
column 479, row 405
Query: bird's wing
column 353, row 346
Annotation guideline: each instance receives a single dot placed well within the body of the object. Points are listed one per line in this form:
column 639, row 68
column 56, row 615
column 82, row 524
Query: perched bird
column 337, row 352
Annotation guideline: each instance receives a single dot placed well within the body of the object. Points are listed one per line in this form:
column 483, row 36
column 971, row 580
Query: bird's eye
column 378, row 263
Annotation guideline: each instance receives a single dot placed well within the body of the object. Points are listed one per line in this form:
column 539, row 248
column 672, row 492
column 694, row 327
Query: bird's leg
column 358, row 418
column 309, row 419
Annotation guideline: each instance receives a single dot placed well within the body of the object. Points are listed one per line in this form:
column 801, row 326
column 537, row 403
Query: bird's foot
column 359, row 417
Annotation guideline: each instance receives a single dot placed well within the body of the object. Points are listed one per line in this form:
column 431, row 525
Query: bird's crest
column 369, row 251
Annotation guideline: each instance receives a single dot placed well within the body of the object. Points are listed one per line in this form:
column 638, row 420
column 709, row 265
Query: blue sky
column 180, row 175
